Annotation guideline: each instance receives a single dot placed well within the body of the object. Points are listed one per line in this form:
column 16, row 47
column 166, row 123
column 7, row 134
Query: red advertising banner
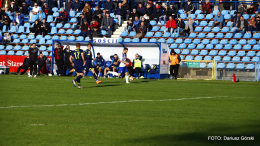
column 13, row 62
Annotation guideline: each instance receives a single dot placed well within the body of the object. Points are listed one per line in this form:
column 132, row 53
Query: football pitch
column 50, row 111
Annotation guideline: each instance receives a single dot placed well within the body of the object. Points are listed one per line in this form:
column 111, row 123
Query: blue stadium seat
column 218, row 46
column 47, row 37
column 56, row 14
column 136, row 40
column 17, row 47
column 214, row 41
column 72, row 13
column 33, row 18
column 223, row 42
column 232, row 12
column 119, row 39
column 209, row 16
column 250, row 66
column 222, row 53
column 252, row 42
column 247, row 47
column 241, row 53
column 21, row 29
column 79, row 13
column 49, row 42
column 31, row 36
column 175, row 35
column 67, row 25
column 236, row 58
column 42, row 48
column 213, row 53
column 61, row 31
column 162, row 40
column 246, row 16
column 221, row 65
column 185, row 52
column 144, row 40
column 192, row 16
column 152, row 22
column 210, row 65
column 45, row 53
column 127, row 40
column 256, row 59
column 228, row 35
column 4, row 29
column 217, row 58
column 258, row 53
column 73, row 20
column 10, row 53
column 49, row 48
column 178, row 51
column 80, row 38
column 9, row 47
column 197, row 12
column 210, row 35
column 153, row 40
column 170, row 41
column 246, row 59
column 59, row 25
column 196, row 41
column 237, row 47
column 87, row 39
column 210, row 23
column 173, row 46
column 207, row 29
column 163, row 28
column 78, row 31
column 247, row 36
column 209, row 46
column 203, row 23
column 54, row 9
column 42, row 41
column 215, row 12
column 256, row 36
column 149, row 34
column 230, row 66
column 240, row 66
column 216, row 29
column 25, row 48
column 189, row 57
column 238, row 35
column 25, row 53
column 71, row 38
column 227, row 17
column 19, row 53
column 182, row 46
column 198, row 29
column 200, row 16
column 191, row 46
column 32, row 41
column 198, row 58
column 13, row 29
column 205, row 41
column 124, row 33
column 219, row 35
column 69, row 31
column 23, row 36
column 194, row 52
column 250, row 53
column 201, row 35
column 25, row 41
column 207, row 58
column 187, row 41
column 242, row 42
column 183, row 16
column 16, row 41
column 38, row 37
column 53, row 30
column 226, row 58
column 229, row 24
column 166, row 35
column 231, row 53
column 2, row 47
column 192, row 35
column 158, row 34
column 200, row 46
column 155, row 28
column 178, row 41
column 203, row 52
column 233, row 42
column 55, row 37
column 132, row 34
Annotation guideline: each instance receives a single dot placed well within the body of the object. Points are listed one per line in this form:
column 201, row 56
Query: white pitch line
column 110, row 102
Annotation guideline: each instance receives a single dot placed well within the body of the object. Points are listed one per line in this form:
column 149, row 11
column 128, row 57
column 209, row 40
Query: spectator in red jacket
column 91, row 27
column 62, row 17
column 207, row 7
column 251, row 9
column 170, row 25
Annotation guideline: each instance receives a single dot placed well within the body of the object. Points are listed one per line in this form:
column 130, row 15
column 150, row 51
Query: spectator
column 235, row 19
column 62, row 17
column 36, row 28
column 141, row 31
column 88, row 15
column 120, row 13
column 226, row 4
column 165, row 16
column 6, row 23
column 136, row 23
column 99, row 20
column 91, row 27
column 257, row 6
column 41, row 15
column 58, row 54
column 2, row 14
column 87, row 6
column 84, row 29
column 137, row 63
column 80, row 21
column 35, row 10
column 95, row 33
column 125, row 5
column 180, row 26
column 157, row 12
column 129, row 25
column 104, row 13
column 141, row 10
column 67, row 63
column 252, row 25
column 174, row 60
column 170, row 25
column 13, row 8
column 115, row 3
column 45, row 27
column 242, row 8
column 68, row 6
column 99, row 63
column 7, row 38
column 188, row 27
column 108, row 5
column 41, row 63
column 188, row 8
column 242, row 25
column 148, row 11
column 6, row 4
column 218, row 20
column 24, row 9
column 107, row 23
column 25, row 65
column 257, row 17
column 113, row 65
column 33, row 52
column 207, row 7
column 17, row 19
column 46, row 9
column 196, row 4
column 251, row 10
column 96, row 13
column 133, row 14
column 76, row 6
column 173, row 11
column 146, row 23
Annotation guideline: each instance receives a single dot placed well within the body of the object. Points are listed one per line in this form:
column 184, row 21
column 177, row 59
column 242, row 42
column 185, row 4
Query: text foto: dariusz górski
column 230, row 137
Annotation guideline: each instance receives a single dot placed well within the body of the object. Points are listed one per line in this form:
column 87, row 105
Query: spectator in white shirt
column 35, row 10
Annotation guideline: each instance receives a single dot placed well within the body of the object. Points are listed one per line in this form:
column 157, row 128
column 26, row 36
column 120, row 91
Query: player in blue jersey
column 79, row 61
column 114, row 64
column 99, row 63
column 88, row 64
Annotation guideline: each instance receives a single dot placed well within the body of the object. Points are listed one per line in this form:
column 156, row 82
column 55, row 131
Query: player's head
column 89, row 45
column 115, row 56
column 78, row 45
column 125, row 50
column 136, row 56
column 98, row 55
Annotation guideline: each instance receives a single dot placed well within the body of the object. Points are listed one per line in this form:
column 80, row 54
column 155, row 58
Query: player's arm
column 71, row 60
column 83, row 57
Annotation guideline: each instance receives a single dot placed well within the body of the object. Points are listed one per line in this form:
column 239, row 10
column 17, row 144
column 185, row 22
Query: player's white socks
column 114, row 73
column 126, row 79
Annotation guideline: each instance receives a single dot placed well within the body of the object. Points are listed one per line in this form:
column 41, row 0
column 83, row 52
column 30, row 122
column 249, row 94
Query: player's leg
column 95, row 76
column 99, row 71
column 129, row 69
column 105, row 71
column 126, row 75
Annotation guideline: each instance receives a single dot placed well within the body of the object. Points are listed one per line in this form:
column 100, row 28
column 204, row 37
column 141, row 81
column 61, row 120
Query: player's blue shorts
column 88, row 66
column 79, row 68
column 122, row 70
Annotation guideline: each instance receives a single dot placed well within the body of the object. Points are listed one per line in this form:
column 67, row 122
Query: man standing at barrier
column 174, row 60
column 33, row 51
column 79, row 60
column 67, row 63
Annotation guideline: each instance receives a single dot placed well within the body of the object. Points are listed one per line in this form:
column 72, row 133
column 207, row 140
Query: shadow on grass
column 201, row 138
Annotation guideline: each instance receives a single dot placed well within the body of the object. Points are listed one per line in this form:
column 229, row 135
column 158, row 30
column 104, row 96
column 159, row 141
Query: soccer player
column 114, row 64
column 99, row 63
column 88, row 65
column 79, row 61
column 122, row 66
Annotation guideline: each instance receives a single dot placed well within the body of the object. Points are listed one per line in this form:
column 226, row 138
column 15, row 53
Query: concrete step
column 115, row 36
column 117, row 33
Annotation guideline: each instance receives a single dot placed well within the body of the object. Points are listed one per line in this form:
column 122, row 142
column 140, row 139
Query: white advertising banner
column 105, row 40
column 164, row 59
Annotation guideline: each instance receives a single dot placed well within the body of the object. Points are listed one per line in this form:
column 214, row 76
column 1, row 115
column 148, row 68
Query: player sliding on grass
column 79, row 61
column 122, row 66
column 88, row 65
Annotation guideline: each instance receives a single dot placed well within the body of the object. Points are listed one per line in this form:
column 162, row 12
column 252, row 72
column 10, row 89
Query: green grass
column 233, row 110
